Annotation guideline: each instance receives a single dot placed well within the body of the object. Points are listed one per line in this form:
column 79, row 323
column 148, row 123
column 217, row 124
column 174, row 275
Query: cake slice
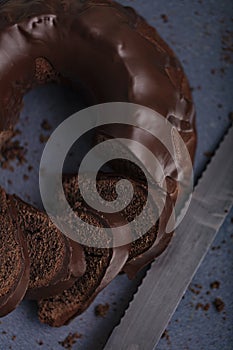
column 149, row 246
column 55, row 260
column 14, row 261
column 102, row 267
column 106, row 186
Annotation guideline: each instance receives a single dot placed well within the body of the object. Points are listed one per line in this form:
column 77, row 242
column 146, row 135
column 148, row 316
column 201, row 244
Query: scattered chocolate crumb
column 204, row 307
column 45, row 125
column 232, row 220
column 215, row 285
column 231, row 116
column 40, row 342
column 30, row 168
column 4, row 332
column 9, row 182
column 101, row 310
column 219, row 304
column 25, row 177
column 70, row 340
column 213, row 71
column 43, row 138
column 13, row 337
column 12, row 151
column 164, row 18
column 166, row 336
column 195, row 291
column 216, row 248
column 227, row 46
column 208, row 292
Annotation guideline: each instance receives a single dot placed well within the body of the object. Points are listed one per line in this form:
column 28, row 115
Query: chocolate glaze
column 115, row 53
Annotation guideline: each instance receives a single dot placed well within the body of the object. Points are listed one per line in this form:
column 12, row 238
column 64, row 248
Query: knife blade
column 168, row 278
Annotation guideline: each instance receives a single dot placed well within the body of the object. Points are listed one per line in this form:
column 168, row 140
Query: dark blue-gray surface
column 197, row 30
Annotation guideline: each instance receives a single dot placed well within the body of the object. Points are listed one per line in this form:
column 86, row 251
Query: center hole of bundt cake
column 45, row 107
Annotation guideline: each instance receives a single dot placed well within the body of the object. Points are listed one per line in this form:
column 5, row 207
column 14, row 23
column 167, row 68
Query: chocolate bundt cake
column 118, row 57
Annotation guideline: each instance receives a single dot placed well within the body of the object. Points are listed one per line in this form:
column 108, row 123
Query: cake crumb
column 10, row 152
column 43, row 138
column 164, row 18
column 195, row 291
column 40, row 342
column 25, row 177
column 70, row 340
column 215, row 285
column 204, row 307
column 166, row 336
column 13, row 337
column 45, row 125
column 219, row 304
column 101, row 310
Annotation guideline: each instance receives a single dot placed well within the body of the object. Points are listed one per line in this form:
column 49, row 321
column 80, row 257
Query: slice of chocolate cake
column 14, row 261
column 106, row 186
column 102, row 266
column 55, row 261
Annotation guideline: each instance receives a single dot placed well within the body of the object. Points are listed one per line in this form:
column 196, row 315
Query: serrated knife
column 168, row 278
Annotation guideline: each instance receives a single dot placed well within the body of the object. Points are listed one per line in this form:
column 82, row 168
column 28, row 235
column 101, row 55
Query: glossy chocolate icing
column 116, row 54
